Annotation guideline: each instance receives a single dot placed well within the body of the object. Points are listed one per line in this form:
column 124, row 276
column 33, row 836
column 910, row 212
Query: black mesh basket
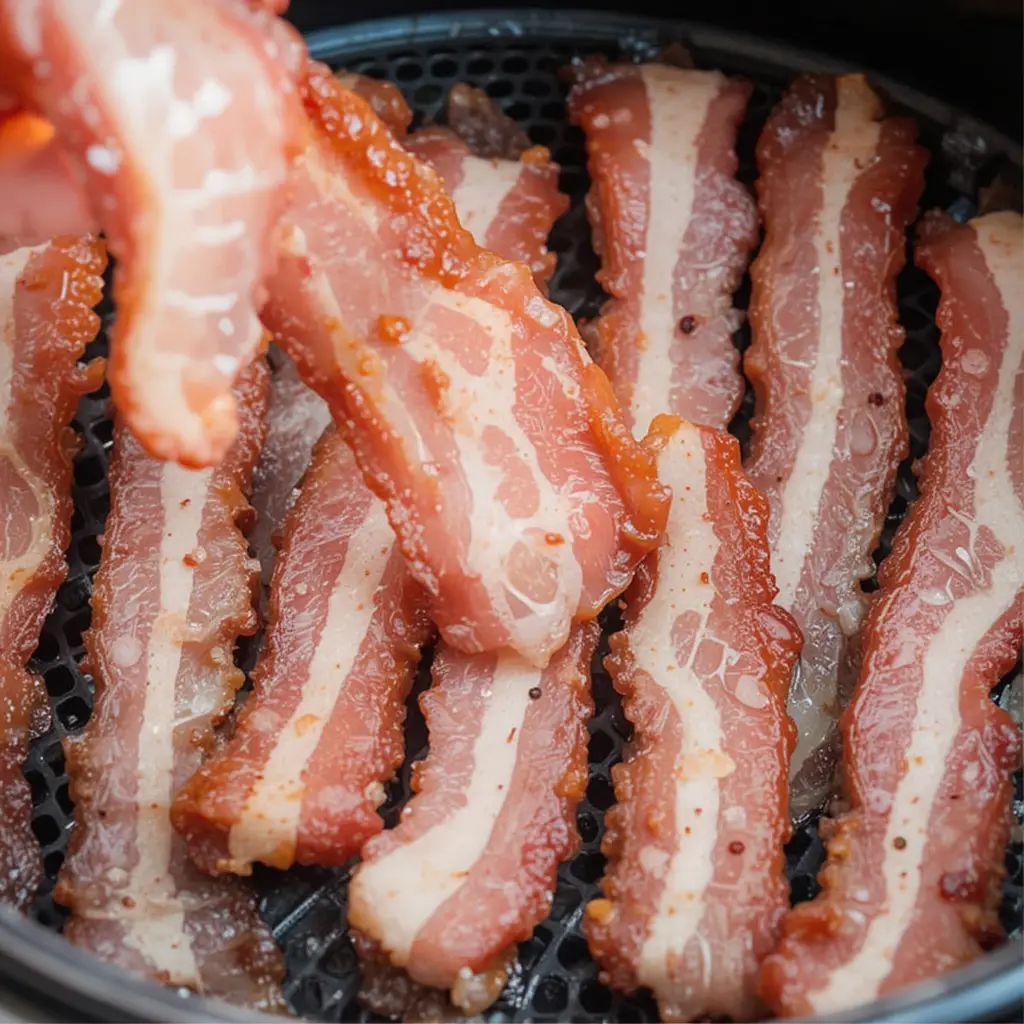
column 515, row 56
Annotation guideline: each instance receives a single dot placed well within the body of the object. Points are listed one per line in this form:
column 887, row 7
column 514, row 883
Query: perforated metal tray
column 515, row 56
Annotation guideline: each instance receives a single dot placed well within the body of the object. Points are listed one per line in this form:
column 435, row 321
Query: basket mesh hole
column 60, row 681
column 73, row 712
column 46, row 829
column 552, row 995
column 444, row 68
column 595, row 998
column 573, row 953
column 517, row 64
column 588, row 866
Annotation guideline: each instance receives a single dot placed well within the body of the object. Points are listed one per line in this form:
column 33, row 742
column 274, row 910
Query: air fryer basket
column 515, row 56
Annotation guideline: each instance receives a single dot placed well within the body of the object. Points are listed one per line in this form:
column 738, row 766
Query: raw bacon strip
column 173, row 592
column 470, row 869
column 695, row 887
column 296, row 419
column 175, row 119
column 505, row 190
column 385, row 99
column 674, row 230
column 519, row 499
column 838, row 188
column 46, row 320
column 303, row 775
column 914, row 873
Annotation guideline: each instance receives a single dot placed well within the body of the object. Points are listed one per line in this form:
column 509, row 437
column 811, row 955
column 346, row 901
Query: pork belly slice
column 505, row 189
column 674, row 230
column 173, row 592
column 470, row 869
column 838, row 187
column 176, row 121
column 385, row 99
column 914, row 875
column 695, row 887
column 303, row 774
column 519, row 499
column 46, row 297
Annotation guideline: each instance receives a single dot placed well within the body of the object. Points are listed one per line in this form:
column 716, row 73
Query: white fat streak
column 487, row 401
column 937, row 714
column 399, row 893
column 849, row 150
column 270, row 817
column 156, row 925
column 475, row 403
column 483, row 188
column 678, row 102
column 16, row 572
column 688, row 551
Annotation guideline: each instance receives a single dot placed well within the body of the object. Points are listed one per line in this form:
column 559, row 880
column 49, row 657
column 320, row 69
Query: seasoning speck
column 535, row 693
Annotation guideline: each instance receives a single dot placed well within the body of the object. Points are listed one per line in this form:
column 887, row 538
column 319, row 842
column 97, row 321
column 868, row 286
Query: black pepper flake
column 900, row 843
column 688, row 324
column 535, row 693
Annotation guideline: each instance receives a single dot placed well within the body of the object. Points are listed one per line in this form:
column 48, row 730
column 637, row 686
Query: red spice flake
column 899, row 843
column 600, row 910
column 554, row 539
column 736, row 847
column 393, row 329
column 704, row 578
column 876, row 398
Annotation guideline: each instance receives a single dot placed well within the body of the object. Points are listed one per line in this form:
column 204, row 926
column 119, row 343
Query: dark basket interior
column 517, row 63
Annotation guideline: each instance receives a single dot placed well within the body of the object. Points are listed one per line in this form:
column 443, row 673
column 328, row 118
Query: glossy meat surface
column 915, row 867
column 674, row 230
column 303, row 774
column 695, row 887
column 519, row 499
column 153, row 103
column 46, row 297
column 470, row 869
column 838, row 187
column 505, row 190
column 173, row 593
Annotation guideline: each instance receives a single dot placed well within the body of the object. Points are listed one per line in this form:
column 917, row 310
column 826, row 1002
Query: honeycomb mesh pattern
column 555, row 979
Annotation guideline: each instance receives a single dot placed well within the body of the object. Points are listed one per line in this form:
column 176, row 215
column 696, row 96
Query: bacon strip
column 296, row 419
column 914, row 873
column 46, row 320
column 695, row 886
column 302, row 777
column 838, row 188
column 519, row 500
column 674, row 230
column 176, row 117
column 505, row 190
column 470, row 869
column 173, row 592
column 385, row 99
